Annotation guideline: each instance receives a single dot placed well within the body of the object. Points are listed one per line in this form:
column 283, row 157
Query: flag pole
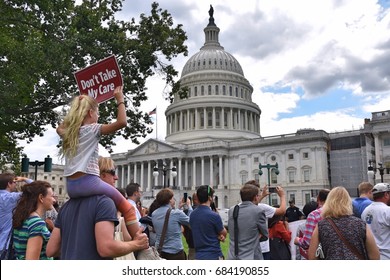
column 156, row 122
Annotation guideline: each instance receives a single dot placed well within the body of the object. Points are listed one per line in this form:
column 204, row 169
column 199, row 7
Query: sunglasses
column 111, row 171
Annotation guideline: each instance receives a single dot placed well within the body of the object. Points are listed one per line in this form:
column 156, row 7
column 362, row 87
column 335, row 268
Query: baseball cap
column 381, row 187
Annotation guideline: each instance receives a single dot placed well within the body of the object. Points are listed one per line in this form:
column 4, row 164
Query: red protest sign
column 100, row 79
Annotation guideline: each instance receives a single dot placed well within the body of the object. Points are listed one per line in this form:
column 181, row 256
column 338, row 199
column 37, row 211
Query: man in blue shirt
column 9, row 197
column 207, row 227
column 365, row 198
column 84, row 230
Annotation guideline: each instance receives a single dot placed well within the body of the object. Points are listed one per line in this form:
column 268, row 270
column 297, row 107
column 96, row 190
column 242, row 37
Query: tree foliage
column 43, row 42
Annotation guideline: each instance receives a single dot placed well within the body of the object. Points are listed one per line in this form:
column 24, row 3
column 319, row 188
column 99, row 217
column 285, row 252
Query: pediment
column 152, row 146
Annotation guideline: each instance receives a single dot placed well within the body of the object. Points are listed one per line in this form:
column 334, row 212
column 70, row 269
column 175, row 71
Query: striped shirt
column 32, row 226
column 312, row 220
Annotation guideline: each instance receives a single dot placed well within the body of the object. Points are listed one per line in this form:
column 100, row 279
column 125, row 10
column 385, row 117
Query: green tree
column 43, row 42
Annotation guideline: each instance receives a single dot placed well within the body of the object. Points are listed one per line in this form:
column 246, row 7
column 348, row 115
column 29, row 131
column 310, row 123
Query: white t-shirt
column 86, row 158
column 377, row 217
column 269, row 213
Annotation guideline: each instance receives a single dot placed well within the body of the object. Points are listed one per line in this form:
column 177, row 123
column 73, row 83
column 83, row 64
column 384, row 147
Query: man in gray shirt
column 251, row 223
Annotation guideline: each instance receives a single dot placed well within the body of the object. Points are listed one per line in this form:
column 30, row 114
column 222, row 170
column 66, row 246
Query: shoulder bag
column 119, row 236
column 346, row 242
column 152, row 253
column 235, row 217
column 8, row 253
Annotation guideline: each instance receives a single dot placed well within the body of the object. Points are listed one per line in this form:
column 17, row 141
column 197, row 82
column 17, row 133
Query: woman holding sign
column 80, row 134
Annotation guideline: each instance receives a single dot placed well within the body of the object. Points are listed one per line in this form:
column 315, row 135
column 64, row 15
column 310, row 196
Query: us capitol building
column 213, row 138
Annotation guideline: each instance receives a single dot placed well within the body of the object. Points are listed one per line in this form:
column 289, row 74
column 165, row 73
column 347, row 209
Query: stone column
column 202, row 170
column 142, row 175
column 179, row 174
column 186, row 172
column 194, row 172
column 211, row 171
column 149, row 187
column 220, row 172
column 128, row 173
column 135, row 173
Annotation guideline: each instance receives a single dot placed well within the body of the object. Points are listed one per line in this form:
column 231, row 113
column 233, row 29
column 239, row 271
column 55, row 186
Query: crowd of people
column 334, row 227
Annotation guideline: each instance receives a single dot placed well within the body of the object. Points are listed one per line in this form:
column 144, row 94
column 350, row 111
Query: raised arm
column 121, row 120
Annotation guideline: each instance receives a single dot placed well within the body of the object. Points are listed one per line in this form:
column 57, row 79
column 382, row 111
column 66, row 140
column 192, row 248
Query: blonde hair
column 78, row 111
column 105, row 163
column 337, row 204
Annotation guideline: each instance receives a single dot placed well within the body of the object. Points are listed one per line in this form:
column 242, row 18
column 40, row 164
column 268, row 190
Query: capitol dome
column 212, row 59
column 219, row 103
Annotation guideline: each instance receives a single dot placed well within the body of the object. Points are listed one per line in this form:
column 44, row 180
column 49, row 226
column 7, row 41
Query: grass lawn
column 224, row 246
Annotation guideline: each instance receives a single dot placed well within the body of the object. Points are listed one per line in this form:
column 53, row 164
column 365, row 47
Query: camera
column 272, row 190
column 185, row 197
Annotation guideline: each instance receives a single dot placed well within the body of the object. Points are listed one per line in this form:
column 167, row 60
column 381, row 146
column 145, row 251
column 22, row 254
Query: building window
column 306, row 175
column 290, row 156
column 273, row 158
column 45, row 177
column 224, row 90
column 386, row 142
column 189, row 92
column 256, row 159
column 53, row 178
column 256, row 176
column 305, row 155
column 236, row 91
column 244, row 177
column 291, row 176
column 209, row 90
column 209, row 119
column 217, row 119
column 60, row 178
column 202, row 90
column 201, row 119
column 243, row 161
column 216, row 90
column 60, row 191
column 196, row 91
column 231, row 91
column 307, row 197
column 274, row 177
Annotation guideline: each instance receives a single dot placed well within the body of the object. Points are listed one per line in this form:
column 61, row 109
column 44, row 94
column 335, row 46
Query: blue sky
column 312, row 64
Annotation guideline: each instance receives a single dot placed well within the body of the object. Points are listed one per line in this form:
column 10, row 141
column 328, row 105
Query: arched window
column 216, row 90
column 209, row 90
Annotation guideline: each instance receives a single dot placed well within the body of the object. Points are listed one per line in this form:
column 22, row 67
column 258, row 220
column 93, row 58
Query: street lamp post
column 269, row 167
column 372, row 170
column 164, row 170
column 26, row 162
